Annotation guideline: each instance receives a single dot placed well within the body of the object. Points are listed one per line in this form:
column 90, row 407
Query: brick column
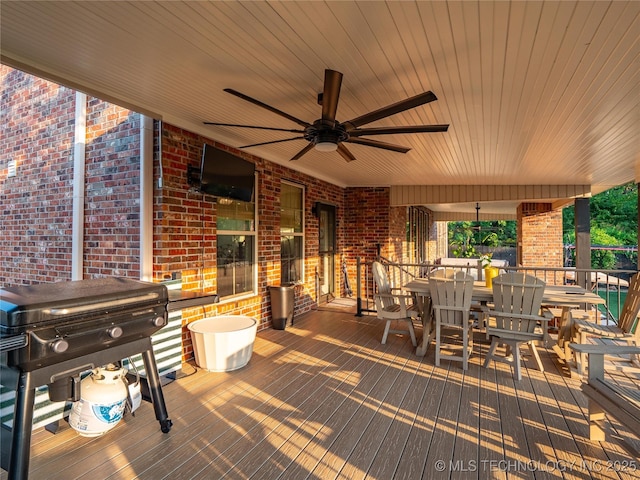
column 539, row 236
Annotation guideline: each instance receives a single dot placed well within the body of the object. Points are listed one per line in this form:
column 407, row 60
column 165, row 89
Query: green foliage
column 614, row 222
column 614, row 211
column 464, row 237
column 461, row 239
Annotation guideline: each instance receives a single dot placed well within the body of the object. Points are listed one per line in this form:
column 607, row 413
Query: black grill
column 50, row 333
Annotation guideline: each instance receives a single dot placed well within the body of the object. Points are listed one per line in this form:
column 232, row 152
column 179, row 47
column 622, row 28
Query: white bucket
column 223, row 343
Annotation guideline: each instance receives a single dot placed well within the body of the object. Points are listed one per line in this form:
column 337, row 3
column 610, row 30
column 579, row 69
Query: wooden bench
column 604, row 395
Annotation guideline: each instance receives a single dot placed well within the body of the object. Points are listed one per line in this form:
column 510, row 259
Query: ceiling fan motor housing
column 321, row 132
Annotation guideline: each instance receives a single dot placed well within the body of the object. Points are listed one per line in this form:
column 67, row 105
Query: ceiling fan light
column 326, row 146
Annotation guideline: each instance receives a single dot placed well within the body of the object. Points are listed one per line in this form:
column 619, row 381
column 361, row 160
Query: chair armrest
column 493, row 313
column 400, row 300
column 548, row 314
column 544, row 320
column 597, row 352
column 394, row 295
column 604, row 349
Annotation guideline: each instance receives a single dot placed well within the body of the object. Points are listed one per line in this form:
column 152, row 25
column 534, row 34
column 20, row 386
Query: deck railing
column 610, row 284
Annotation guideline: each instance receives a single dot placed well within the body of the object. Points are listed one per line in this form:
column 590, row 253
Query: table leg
column 564, row 335
column 424, row 303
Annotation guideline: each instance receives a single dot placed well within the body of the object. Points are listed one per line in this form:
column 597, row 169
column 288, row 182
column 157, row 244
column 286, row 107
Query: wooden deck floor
column 324, row 399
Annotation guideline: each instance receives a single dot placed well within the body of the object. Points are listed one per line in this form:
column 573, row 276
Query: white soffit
column 534, row 92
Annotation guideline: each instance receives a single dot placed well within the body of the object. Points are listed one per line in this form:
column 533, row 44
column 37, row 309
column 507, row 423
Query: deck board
column 324, row 399
column 396, row 439
column 466, row 444
column 271, row 455
column 412, row 461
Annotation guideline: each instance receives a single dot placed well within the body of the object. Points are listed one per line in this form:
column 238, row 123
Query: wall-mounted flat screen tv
column 225, row 175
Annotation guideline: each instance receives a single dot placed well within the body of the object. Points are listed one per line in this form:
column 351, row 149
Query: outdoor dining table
column 564, row 297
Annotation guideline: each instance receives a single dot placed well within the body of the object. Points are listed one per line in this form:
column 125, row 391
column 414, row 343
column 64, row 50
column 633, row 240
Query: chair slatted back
column 519, row 294
column 452, row 289
column 383, row 286
column 631, row 308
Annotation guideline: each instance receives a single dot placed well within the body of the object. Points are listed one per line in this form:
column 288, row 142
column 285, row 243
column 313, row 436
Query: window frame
column 233, row 233
column 301, row 234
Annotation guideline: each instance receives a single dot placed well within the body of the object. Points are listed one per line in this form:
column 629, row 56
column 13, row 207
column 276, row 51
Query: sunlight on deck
column 324, row 399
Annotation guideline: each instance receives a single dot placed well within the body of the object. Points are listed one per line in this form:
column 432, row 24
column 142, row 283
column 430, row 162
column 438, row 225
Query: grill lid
column 36, row 305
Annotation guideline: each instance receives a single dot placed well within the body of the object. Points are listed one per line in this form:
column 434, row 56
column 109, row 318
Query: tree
column 464, row 237
column 614, row 222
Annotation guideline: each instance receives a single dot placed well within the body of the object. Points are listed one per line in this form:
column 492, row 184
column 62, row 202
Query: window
column 291, row 233
column 236, row 247
column 417, row 235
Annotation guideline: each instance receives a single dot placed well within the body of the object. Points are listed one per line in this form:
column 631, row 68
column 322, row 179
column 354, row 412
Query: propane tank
column 103, row 396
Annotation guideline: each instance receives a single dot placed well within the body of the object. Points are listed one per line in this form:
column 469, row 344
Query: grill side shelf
column 179, row 299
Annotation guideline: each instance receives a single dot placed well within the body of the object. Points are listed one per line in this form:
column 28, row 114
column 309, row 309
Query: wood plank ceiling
column 536, row 93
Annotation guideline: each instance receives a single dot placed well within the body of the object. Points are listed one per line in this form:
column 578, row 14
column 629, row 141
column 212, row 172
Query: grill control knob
column 59, row 346
column 158, row 321
column 115, row 332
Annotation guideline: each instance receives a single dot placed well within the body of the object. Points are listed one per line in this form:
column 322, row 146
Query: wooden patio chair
column 515, row 318
column 626, row 331
column 393, row 307
column 451, row 303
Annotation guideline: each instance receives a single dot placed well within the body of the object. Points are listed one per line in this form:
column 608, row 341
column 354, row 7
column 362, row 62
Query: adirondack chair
column 393, row 307
column 451, row 302
column 515, row 318
column 626, row 330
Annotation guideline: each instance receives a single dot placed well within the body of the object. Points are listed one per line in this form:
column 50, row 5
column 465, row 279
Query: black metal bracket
column 193, row 175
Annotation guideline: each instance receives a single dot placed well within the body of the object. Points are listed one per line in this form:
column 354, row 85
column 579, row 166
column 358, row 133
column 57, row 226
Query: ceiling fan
column 327, row 134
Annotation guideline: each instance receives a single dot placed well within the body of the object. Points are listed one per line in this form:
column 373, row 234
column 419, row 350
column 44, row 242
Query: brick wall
column 539, row 235
column 36, row 132
column 112, row 192
column 185, row 229
column 367, row 219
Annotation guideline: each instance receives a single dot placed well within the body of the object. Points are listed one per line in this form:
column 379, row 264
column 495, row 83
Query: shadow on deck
column 324, row 399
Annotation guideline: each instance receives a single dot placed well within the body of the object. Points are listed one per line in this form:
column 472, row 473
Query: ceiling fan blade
column 345, row 153
column 268, row 107
column 272, row 141
column 302, row 152
column 253, row 126
column 377, row 144
column 393, row 130
column 331, row 94
column 389, row 110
